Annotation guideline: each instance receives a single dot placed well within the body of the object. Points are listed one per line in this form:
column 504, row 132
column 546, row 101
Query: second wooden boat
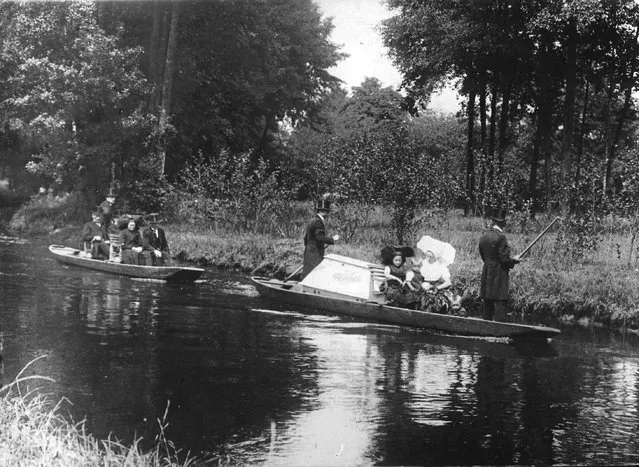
column 72, row 256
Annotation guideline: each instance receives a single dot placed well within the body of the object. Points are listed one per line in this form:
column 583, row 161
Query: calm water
column 265, row 384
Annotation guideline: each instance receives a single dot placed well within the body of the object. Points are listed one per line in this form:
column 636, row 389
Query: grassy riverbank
column 599, row 287
column 34, row 432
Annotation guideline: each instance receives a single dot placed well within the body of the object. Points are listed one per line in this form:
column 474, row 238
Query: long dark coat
column 495, row 253
column 315, row 241
column 108, row 211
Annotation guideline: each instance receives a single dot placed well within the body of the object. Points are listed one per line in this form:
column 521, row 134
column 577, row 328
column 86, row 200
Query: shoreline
column 537, row 294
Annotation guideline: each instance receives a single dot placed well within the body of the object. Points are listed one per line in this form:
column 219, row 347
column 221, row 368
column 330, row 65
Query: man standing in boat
column 108, row 207
column 496, row 255
column 315, row 239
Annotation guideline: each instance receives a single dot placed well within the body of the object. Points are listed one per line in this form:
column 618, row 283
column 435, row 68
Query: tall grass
column 590, row 278
column 34, row 433
column 601, row 286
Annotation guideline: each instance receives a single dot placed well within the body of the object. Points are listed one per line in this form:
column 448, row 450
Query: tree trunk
column 470, row 158
column 494, row 95
column 153, row 53
column 167, row 81
column 534, row 162
column 607, row 140
column 629, row 84
column 546, row 141
column 483, row 129
column 503, row 122
column 569, row 106
column 582, row 133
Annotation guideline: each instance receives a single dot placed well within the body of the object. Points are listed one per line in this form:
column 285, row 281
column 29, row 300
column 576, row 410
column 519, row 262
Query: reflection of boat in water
column 67, row 255
column 348, row 286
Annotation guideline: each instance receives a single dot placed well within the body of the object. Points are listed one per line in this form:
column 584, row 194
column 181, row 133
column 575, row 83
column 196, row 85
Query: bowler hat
column 153, row 218
column 498, row 215
column 323, row 205
column 113, row 192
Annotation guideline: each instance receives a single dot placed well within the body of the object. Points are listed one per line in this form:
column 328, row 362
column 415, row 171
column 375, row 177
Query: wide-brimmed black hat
column 323, row 205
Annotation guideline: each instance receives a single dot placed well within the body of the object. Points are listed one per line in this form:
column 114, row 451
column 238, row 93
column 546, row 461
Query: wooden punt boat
column 72, row 256
column 346, row 286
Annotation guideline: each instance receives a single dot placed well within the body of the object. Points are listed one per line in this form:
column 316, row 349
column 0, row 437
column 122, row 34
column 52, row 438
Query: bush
column 46, row 212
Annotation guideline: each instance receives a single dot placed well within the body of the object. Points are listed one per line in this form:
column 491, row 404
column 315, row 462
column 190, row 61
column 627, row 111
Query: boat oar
column 294, row 272
column 525, row 250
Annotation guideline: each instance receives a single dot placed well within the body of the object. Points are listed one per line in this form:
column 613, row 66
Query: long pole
column 294, row 272
column 538, row 237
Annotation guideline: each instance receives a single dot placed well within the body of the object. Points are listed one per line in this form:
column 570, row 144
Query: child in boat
column 399, row 287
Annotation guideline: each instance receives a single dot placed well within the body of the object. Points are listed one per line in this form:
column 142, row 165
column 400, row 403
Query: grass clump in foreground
column 32, row 432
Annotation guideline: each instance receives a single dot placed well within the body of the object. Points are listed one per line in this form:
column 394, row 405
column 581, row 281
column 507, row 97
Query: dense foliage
column 226, row 108
column 549, row 82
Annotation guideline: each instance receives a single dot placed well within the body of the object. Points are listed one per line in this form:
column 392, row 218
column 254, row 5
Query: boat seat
column 114, row 248
column 377, row 278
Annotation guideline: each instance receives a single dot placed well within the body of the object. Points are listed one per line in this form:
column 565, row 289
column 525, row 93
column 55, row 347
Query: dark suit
column 99, row 249
column 153, row 238
column 108, row 211
column 495, row 253
column 315, row 241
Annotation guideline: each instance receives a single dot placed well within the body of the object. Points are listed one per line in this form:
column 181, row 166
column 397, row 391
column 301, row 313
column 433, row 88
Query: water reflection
column 270, row 385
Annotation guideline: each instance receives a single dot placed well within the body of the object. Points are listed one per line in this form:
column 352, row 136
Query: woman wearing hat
column 131, row 243
column 495, row 253
column 315, row 239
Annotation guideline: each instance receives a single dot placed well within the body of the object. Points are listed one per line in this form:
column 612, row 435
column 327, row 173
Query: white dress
column 435, row 273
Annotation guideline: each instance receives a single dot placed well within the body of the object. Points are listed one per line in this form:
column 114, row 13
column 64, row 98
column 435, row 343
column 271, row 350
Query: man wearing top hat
column 496, row 255
column 107, row 206
column 315, row 239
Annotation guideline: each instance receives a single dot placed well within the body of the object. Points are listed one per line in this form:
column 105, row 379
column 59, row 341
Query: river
column 263, row 384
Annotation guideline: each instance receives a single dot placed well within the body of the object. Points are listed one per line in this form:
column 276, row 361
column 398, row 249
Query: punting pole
column 294, row 272
column 538, row 237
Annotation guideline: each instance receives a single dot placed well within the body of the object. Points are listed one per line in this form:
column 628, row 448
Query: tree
column 538, row 63
column 73, row 92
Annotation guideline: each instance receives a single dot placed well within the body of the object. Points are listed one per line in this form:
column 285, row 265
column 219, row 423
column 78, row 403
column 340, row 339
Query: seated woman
column 95, row 235
column 399, row 288
column 438, row 296
column 131, row 243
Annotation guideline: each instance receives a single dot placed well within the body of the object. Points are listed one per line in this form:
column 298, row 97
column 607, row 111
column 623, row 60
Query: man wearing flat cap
column 496, row 255
column 315, row 239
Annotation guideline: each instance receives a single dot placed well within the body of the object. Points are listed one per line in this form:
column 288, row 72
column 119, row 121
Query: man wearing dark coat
column 156, row 248
column 496, row 255
column 107, row 207
column 95, row 235
column 315, row 239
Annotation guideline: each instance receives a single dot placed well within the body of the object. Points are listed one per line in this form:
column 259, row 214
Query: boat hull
column 295, row 294
column 72, row 257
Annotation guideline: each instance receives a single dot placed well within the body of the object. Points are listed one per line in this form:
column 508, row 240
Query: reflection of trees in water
column 453, row 405
column 229, row 383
